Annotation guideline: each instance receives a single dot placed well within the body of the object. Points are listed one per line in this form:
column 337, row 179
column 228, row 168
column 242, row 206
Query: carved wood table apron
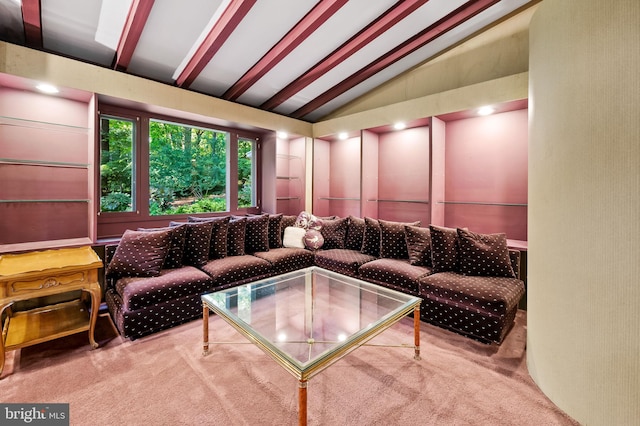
column 308, row 319
column 52, row 276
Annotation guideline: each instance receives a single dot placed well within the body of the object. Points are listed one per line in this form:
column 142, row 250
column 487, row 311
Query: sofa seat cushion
column 139, row 292
column 235, row 270
column 343, row 261
column 397, row 274
column 493, row 296
column 286, row 259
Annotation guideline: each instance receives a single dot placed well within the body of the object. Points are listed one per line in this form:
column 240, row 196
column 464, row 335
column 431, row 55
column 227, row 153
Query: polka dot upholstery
column 235, row 236
column 219, row 229
column 444, row 248
column 484, row 254
column 275, row 234
column 418, row 245
column 397, row 274
column 256, row 236
column 236, row 269
column 334, row 232
column 343, row 261
column 198, row 242
column 355, row 233
column 139, row 254
column 286, row 259
column 482, row 307
column 393, row 244
column 371, row 238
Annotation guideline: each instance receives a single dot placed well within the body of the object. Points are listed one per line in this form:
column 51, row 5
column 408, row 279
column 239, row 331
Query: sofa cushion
column 170, row 284
column 493, row 296
column 313, row 239
column 484, row 254
column 294, row 237
column 256, row 237
column 371, row 238
column 393, row 243
column 219, row 230
column 139, row 254
column 444, row 248
column 343, row 261
column 275, row 234
column 418, row 245
column 198, row 242
column 235, row 236
column 284, row 259
column 176, row 245
column 355, row 233
column 397, row 274
column 334, row 232
column 236, row 270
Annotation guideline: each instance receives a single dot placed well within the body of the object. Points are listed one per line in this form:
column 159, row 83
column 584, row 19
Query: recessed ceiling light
column 486, row 110
column 399, row 125
column 342, row 136
column 282, row 135
column 47, row 88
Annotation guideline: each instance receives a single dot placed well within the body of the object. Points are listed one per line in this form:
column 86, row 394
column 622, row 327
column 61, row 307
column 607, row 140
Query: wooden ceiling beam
column 136, row 20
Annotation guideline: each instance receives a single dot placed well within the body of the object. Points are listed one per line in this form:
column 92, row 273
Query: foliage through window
column 117, row 164
column 246, row 173
column 187, row 169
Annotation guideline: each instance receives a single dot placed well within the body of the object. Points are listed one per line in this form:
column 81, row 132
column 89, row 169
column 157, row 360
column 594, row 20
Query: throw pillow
column 235, row 236
column 444, row 248
column 294, row 237
column 393, row 244
column 139, row 254
column 334, row 233
column 256, row 237
column 198, row 242
column 176, row 245
column 355, row 233
column 371, row 238
column 484, row 254
column 313, row 239
column 308, row 221
column 219, row 230
column 275, row 234
column 418, row 245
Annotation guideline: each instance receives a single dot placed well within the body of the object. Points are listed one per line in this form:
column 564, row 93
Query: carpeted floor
column 163, row 379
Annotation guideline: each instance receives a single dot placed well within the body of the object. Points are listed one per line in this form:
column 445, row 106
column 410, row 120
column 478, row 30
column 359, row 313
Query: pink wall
column 486, row 163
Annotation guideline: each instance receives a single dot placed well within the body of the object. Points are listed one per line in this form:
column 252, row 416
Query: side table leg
column 205, row 330
column 302, row 403
column 95, row 294
column 416, row 331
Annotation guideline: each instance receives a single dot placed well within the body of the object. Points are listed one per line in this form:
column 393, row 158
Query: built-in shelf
column 287, row 198
column 14, row 161
column 41, row 125
column 287, row 177
column 380, row 200
column 484, row 204
column 339, row 198
column 289, row 157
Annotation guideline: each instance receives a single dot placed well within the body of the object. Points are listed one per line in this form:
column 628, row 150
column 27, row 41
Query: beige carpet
column 164, row 380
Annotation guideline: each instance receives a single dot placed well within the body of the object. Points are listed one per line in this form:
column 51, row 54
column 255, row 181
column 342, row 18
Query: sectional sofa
column 468, row 281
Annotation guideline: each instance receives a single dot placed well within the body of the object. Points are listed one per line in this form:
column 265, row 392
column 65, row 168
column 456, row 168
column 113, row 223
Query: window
column 246, row 173
column 187, row 169
column 117, row 164
column 156, row 168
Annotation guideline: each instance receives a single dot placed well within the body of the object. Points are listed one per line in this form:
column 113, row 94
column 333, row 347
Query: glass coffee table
column 308, row 319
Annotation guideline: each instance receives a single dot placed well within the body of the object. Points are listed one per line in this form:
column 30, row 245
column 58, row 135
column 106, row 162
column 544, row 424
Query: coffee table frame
column 304, row 375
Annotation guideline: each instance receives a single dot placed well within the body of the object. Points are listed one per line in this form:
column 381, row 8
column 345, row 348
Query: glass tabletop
column 309, row 318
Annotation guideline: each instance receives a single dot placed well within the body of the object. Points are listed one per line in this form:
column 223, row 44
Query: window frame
column 113, row 224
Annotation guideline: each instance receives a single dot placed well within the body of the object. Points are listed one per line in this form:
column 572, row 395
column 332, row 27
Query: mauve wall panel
column 29, row 182
column 25, row 141
column 31, row 222
column 486, row 162
column 345, row 177
column 321, row 176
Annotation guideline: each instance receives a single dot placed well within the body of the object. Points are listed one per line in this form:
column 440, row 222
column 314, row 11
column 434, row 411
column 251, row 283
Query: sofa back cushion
column 139, row 254
column 235, row 236
column 444, row 248
column 197, row 243
column 393, row 244
column 177, row 240
column 355, row 233
column 371, row 238
column 334, row 233
column 219, row 229
column 484, row 254
column 418, row 245
column 256, row 237
column 275, row 233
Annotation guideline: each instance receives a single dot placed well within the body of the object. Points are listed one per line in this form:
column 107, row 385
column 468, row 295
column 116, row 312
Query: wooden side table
column 38, row 274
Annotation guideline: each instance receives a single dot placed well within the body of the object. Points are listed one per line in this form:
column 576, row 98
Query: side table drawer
column 16, row 288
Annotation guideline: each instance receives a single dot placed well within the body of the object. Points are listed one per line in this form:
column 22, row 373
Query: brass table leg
column 416, row 331
column 205, row 330
column 302, row 403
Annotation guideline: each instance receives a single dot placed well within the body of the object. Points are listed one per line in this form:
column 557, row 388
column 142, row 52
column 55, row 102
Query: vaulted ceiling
column 300, row 58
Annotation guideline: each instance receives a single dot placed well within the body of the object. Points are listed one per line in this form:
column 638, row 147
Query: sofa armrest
column 514, row 256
